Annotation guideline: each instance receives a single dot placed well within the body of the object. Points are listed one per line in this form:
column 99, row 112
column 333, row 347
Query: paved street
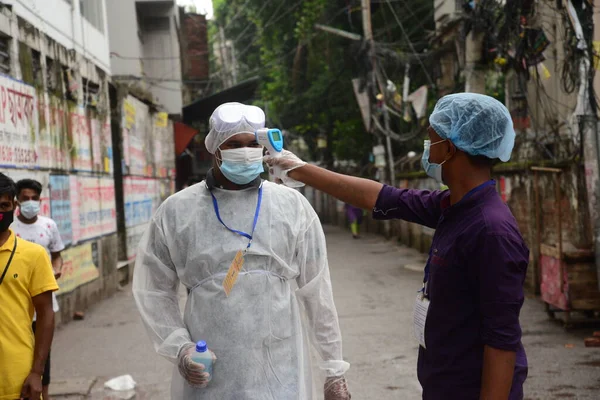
column 374, row 295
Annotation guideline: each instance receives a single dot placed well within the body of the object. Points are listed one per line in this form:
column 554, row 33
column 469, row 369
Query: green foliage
column 306, row 73
column 495, row 85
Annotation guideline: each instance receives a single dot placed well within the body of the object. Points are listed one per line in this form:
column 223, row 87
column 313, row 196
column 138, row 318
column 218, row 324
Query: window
column 5, row 55
column 91, row 91
column 36, row 65
column 93, row 12
column 156, row 24
column 54, row 77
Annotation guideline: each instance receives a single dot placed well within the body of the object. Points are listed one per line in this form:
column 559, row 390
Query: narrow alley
column 374, row 283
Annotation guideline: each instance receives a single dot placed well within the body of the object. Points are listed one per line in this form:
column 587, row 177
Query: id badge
column 420, row 317
column 232, row 274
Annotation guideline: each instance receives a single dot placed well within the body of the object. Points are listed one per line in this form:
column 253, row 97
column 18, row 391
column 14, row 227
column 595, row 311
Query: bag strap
column 12, row 254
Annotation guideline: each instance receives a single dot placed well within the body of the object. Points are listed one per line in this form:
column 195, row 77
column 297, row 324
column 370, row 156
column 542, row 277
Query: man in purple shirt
column 468, row 308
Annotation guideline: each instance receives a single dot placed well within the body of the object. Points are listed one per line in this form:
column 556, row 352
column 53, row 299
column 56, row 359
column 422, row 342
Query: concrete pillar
column 475, row 76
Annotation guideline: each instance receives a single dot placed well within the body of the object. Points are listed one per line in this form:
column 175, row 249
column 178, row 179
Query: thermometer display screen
column 276, row 136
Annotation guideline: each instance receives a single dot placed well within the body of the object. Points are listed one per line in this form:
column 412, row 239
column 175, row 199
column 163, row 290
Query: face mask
column 242, row 166
column 431, row 169
column 30, row 209
column 6, row 218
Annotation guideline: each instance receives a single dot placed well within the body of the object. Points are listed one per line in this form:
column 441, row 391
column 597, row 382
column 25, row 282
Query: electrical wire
column 238, row 38
column 258, row 37
column 410, row 44
column 196, row 55
column 283, row 57
column 299, row 3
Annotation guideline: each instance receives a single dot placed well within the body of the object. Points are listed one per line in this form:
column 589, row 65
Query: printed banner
column 135, row 135
column 142, row 197
column 52, row 145
column 108, row 209
column 81, row 140
column 78, row 268
column 60, row 206
column 163, row 149
column 75, row 205
column 89, row 211
column 96, row 135
column 162, row 119
column 18, row 123
column 83, row 206
column 134, row 235
column 107, row 149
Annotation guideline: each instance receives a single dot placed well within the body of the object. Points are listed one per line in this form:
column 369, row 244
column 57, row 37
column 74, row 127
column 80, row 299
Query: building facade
column 195, row 56
column 59, row 125
column 145, row 48
column 56, row 127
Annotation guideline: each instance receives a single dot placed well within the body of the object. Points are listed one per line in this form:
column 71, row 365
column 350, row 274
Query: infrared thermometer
column 272, row 139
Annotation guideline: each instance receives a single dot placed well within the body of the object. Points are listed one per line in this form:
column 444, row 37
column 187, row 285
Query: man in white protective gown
column 259, row 319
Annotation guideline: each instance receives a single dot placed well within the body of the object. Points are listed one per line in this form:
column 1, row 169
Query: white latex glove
column 286, row 162
column 191, row 371
column 336, row 388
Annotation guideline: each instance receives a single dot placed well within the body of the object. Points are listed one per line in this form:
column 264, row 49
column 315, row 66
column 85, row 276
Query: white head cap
column 231, row 119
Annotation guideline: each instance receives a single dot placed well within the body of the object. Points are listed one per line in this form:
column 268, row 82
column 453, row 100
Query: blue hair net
column 476, row 124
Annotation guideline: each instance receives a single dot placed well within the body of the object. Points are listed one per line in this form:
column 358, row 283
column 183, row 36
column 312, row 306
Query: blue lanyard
column 466, row 196
column 256, row 213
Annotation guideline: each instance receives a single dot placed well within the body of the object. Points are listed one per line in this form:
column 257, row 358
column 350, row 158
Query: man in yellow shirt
column 26, row 284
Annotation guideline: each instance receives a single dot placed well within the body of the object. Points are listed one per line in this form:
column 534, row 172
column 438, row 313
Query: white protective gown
column 282, row 296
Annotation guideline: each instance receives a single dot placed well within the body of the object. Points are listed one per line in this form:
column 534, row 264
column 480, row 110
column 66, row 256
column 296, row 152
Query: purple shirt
column 477, row 265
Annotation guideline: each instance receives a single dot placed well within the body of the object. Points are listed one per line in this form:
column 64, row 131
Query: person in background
column 26, row 285
column 43, row 231
column 467, row 313
column 269, row 235
column 355, row 216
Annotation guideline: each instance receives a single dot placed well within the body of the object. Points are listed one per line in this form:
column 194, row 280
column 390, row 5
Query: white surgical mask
column 242, row 166
column 243, row 155
column 433, row 170
column 30, row 209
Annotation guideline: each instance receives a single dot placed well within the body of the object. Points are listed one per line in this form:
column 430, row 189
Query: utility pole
column 406, row 87
column 388, row 140
column 231, row 46
column 585, row 121
column 366, row 19
column 224, row 69
column 368, row 34
column 475, row 78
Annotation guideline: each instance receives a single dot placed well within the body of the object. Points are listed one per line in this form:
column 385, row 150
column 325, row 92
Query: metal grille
column 36, row 63
column 53, row 76
column 90, row 93
column 5, row 55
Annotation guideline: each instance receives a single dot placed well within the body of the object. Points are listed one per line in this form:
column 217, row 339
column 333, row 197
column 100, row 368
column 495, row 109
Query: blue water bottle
column 204, row 357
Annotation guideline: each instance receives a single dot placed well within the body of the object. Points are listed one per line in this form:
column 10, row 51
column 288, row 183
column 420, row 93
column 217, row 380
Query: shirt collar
column 10, row 242
column 473, row 196
column 211, row 182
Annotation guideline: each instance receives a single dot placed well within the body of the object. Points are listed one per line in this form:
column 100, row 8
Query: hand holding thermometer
column 272, row 139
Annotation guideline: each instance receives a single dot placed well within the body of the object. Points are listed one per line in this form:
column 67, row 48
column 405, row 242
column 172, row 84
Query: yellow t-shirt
column 29, row 275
